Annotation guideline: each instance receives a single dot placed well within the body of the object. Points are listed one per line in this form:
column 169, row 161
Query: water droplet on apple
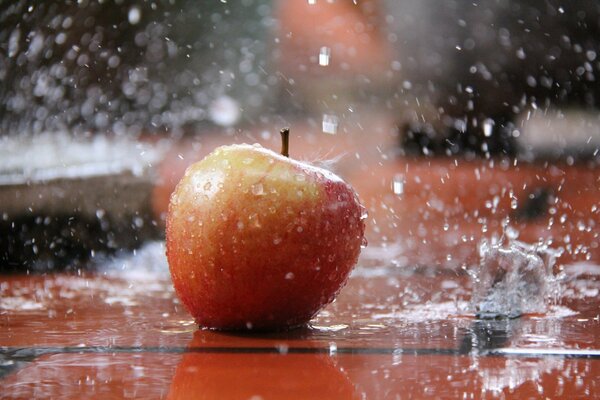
column 191, row 218
column 240, row 225
column 254, row 221
column 277, row 240
column 300, row 177
column 207, row 186
column 299, row 229
column 289, row 276
column 257, row 189
column 364, row 242
column 364, row 213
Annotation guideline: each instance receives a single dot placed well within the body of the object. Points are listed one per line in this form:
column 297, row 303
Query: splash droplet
column 134, row 15
column 330, row 124
column 398, row 185
column 324, row 55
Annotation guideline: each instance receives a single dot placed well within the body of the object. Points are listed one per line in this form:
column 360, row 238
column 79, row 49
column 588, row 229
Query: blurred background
column 454, row 121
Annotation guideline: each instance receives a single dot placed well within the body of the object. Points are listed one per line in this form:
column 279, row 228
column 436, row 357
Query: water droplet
column 312, row 2
column 134, row 15
column 330, row 124
column 513, row 203
column 225, row 111
column 289, row 276
column 257, row 189
column 254, row 221
column 488, row 126
column 324, row 55
column 277, row 240
column 364, row 242
column 398, row 185
column 240, row 225
column 332, row 348
column 300, row 177
column 282, row 348
column 364, row 213
column 207, row 186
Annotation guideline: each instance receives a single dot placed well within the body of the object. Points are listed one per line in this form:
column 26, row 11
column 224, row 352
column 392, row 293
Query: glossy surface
column 121, row 333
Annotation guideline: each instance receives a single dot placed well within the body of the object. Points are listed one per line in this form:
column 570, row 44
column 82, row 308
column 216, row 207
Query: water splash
column 514, row 278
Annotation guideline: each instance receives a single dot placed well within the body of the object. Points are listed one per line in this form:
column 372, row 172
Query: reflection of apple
column 256, row 240
column 257, row 375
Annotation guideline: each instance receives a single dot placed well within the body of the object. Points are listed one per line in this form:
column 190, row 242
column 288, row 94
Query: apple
column 256, row 240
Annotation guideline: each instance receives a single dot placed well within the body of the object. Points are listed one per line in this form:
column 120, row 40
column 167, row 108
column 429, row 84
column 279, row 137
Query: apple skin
column 256, row 240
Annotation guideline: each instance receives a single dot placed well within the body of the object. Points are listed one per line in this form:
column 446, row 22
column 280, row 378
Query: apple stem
column 285, row 141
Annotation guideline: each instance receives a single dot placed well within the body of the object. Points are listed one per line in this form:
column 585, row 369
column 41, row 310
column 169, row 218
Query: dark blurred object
column 417, row 139
column 65, row 201
column 468, row 70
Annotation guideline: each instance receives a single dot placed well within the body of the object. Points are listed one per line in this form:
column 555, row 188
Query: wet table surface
column 120, row 332
column 117, row 330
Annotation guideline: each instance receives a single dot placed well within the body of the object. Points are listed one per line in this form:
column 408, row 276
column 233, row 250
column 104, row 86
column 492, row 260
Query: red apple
column 256, row 240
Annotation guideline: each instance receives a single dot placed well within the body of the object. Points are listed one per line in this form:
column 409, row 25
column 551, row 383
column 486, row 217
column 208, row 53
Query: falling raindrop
column 134, row 15
column 488, row 126
column 324, row 55
column 330, row 124
column 224, row 111
column 398, row 185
